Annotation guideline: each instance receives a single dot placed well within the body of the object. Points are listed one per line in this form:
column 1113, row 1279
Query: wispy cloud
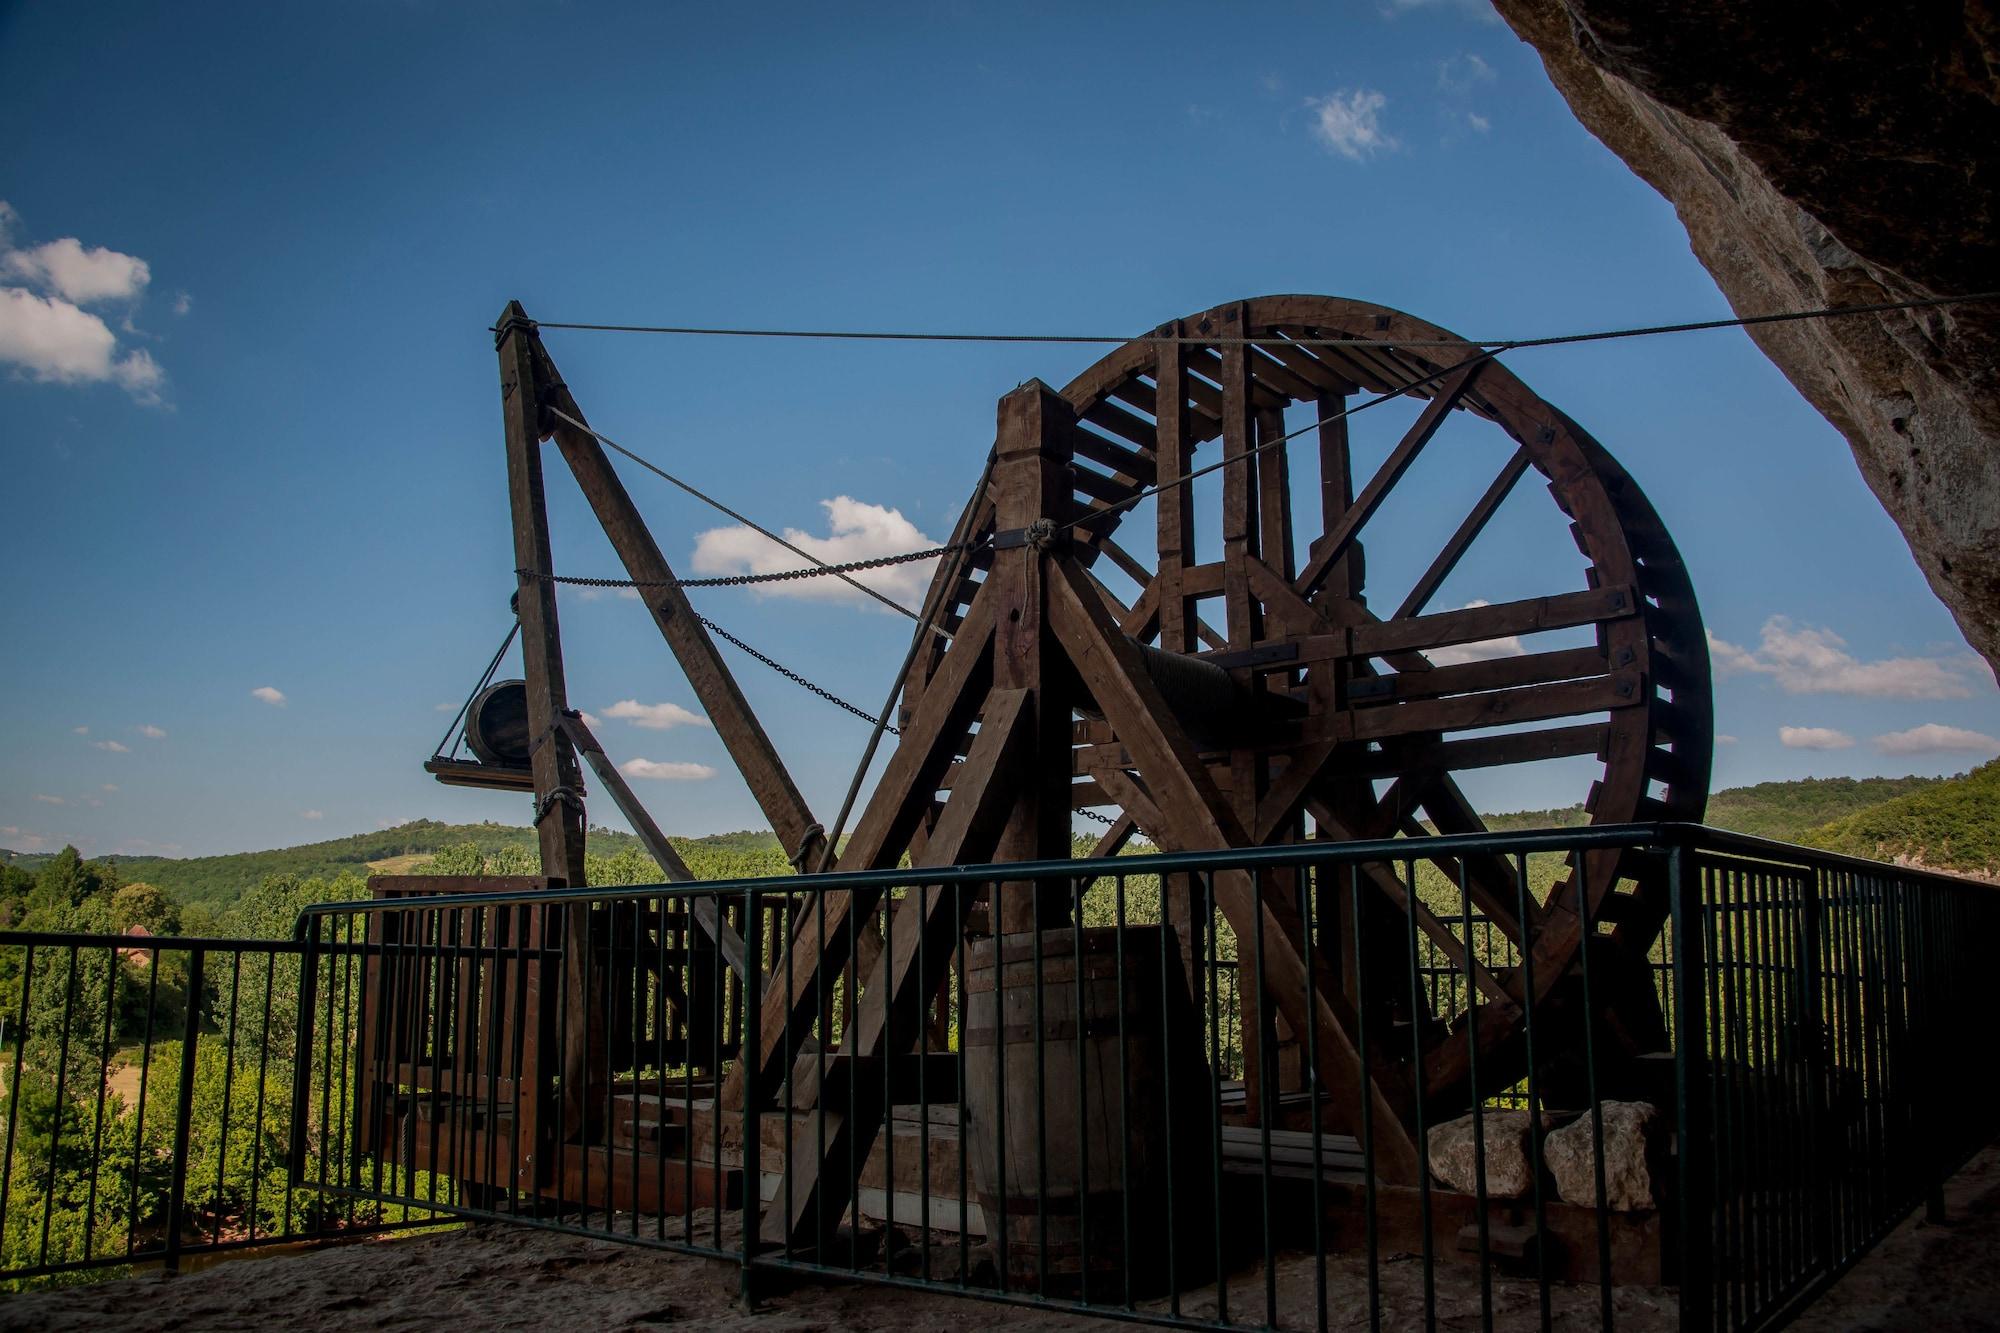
column 856, row 530
column 1814, row 738
column 1935, row 738
column 80, row 731
column 1805, row 660
column 312, row 814
column 112, row 747
column 44, row 330
column 47, row 799
column 1480, row 11
column 110, row 786
column 665, row 771
column 1724, row 738
column 182, row 303
column 1349, row 122
column 270, row 694
column 655, row 717
column 151, row 732
column 1462, row 74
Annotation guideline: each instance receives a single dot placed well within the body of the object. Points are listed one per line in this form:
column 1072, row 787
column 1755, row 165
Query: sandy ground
column 504, row 1277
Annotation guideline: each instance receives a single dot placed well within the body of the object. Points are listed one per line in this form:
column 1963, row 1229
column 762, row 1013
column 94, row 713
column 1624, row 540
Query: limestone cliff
column 1834, row 154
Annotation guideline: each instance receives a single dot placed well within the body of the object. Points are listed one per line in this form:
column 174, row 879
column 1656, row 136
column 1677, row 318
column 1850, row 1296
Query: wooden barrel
column 1094, row 1153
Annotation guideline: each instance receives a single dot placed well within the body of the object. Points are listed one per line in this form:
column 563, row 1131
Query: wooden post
column 559, row 815
column 1032, row 499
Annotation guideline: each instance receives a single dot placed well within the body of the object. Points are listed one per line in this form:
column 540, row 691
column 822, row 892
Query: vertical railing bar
column 183, row 1115
column 747, row 1054
column 97, row 1121
column 1606, row 1316
column 139, row 1120
column 1536, row 1135
column 1478, row 1106
column 1308, row 886
column 1418, row 1013
column 70, row 986
column 263, row 1070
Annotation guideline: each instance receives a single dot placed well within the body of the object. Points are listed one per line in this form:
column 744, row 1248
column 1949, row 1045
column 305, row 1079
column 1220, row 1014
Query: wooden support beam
column 917, row 956
column 559, row 813
column 819, row 947
column 1197, row 816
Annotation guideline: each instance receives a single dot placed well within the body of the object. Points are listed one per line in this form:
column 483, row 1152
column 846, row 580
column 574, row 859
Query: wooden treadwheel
column 1320, row 715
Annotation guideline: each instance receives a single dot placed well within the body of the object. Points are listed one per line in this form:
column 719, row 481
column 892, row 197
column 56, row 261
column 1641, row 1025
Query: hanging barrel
column 1092, row 1131
column 496, row 724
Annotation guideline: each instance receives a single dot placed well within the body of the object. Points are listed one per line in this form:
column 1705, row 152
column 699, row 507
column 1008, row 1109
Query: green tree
column 143, row 904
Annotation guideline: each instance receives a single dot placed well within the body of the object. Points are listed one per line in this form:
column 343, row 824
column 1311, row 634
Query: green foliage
column 1949, row 825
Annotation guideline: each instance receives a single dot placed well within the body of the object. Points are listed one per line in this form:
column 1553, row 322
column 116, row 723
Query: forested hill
column 219, row 881
column 1947, row 823
column 1950, row 825
column 1786, row 811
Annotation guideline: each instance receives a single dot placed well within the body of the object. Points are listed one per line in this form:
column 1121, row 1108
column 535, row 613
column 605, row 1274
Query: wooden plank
column 1496, row 708
column 1197, row 816
column 736, row 724
column 1517, row 747
column 1500, row 620
column 1334, row 544
column 1472, row 677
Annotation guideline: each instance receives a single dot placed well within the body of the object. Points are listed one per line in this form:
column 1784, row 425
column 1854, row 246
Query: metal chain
column 1105, row 820
column 792, row 675
column 741, row 580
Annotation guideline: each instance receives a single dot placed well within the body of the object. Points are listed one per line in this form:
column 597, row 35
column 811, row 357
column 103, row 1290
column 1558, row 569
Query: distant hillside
column 1786, row 811
column 219, row 881
column 1949, row 825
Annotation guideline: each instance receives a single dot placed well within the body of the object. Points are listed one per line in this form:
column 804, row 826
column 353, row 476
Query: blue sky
column 252, row 438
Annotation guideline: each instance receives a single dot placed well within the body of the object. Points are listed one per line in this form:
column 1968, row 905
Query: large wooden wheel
column 1326, row 706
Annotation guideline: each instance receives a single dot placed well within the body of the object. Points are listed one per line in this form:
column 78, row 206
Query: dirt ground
column 504, row 1277
column 1936, row 1277
column 1924, row 1276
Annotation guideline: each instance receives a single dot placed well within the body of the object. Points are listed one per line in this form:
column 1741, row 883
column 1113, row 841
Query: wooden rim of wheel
column 1650, row 687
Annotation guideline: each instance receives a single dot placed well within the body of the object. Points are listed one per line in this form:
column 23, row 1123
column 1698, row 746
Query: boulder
column 1816, row 161
column 1508, row 1172
column 1628, row 1168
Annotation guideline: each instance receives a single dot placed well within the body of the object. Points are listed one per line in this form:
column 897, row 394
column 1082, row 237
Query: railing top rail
column 1703, row 838
column 1586, row 838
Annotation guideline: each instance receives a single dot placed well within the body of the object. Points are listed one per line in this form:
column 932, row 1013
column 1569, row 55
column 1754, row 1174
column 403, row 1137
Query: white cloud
column 311, row 814
column 1349, row 121
column 1935, row 738
column 1724, row 738
column 444, row 708
column 83, row 275
column 46, row 799
column 599, row 594
column 1814, row 738
column 1803, row 660
column 1484, row 650
column 182, row 303
column 675, row 771
column 57, row 343
column 855, row 531
column 655, row 717
column 112, row 747
column 590, row 719
column 1480, row 124
column 151, row 732
column 270, row 694
column 48, row 335
column 110, row 786
column 81, row 731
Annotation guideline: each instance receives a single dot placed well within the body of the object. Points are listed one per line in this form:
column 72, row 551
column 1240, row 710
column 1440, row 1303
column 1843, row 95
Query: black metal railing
column 148, row 1106
column 1754, row 1061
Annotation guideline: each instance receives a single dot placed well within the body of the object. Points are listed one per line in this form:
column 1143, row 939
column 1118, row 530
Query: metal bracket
column 509, row 324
